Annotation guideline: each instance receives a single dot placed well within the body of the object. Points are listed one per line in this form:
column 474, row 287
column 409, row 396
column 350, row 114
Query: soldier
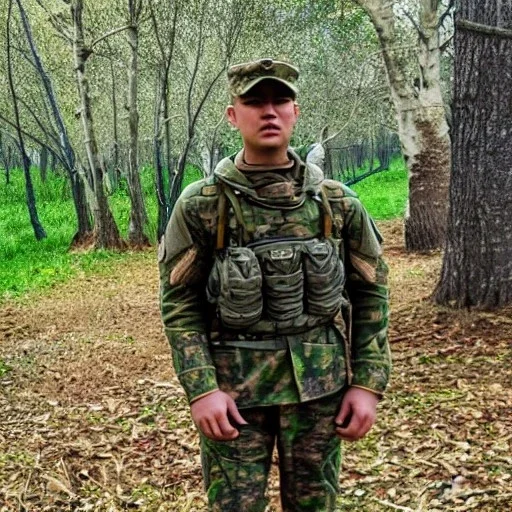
column 275, row 303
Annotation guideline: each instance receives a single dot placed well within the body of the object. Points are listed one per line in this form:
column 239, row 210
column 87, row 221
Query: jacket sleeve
column 367, row 289
column 184, row 259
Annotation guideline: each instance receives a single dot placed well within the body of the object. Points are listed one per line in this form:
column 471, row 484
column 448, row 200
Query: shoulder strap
column 328, row 190
column 226, row 194
column 327, row 212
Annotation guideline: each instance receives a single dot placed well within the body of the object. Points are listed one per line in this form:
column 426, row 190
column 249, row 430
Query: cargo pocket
column 235, row 285
column 325, row 277
column 283, row 282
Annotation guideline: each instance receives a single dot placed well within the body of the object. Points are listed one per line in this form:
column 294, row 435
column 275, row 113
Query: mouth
column 269, row 127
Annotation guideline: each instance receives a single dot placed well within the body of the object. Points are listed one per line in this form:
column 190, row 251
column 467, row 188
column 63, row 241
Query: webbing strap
column 221, row 223
column 328, row 215
column 274, row 344
column 227, row 192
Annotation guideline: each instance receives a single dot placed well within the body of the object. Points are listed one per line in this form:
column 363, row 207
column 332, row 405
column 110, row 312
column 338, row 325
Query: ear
column 296, row 109
column 231, row 115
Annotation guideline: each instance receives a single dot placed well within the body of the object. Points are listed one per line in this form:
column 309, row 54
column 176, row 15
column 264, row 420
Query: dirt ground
column 92, row 417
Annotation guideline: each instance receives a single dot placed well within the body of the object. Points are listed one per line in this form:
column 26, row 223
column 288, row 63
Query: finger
column 204, row 426
column 344, row 413
column 351, row 432
column 366, row 427
column 214, row 429
column 235, row 413
column 227, row 430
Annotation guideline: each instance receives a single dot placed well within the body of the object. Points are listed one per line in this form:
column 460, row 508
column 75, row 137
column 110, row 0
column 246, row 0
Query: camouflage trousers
column 236, row 472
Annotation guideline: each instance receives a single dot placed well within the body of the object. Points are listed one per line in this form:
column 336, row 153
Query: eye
column 251, row 101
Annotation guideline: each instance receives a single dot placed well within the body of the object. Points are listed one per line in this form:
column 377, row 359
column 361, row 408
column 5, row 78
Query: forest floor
column 92, row 417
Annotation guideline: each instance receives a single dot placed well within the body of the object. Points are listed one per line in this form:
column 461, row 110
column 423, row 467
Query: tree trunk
column 114, row 119
column 161, row 119
column 138, row 215
column 422, row 125
column 477, row 265
column 77, row 188
column 161, row 195
column 39, row 231
column 43, row 162
column 5, row 160
column 105, row 233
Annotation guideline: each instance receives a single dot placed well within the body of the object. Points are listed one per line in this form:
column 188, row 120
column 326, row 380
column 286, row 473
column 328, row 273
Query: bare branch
column 33, row 138
column 58, row 22
column 445, row 44
column 421, row 34
column 37, row 119
column 483, row 29
column 111, row 33
column 446, row 13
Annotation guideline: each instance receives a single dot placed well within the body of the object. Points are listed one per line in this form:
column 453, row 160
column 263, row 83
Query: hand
column 357, row 414
column 212, row 413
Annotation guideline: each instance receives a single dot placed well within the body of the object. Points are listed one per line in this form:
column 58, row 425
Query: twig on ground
column 392, row 505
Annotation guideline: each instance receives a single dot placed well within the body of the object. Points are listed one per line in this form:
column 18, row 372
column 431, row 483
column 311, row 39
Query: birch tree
column 421, row 116
column 39, row 231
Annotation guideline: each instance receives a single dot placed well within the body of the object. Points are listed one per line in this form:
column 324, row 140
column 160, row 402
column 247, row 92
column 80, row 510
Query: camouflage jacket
column 352, row 349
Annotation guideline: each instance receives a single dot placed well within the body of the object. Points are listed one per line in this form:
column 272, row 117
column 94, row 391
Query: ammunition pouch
column 284, row 282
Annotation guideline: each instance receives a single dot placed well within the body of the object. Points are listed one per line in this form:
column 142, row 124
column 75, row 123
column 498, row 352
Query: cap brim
column 256, row 81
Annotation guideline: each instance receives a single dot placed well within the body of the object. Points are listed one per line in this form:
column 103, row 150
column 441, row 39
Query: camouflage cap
column 243, row 77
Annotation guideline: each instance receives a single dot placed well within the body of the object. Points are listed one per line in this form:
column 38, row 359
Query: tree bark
column 422, row 126
column 138, row 215
column 477, row 265
column 105, row 232
column 114, row 120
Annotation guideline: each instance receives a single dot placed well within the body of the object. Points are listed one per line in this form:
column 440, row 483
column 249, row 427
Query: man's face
column 265, row 116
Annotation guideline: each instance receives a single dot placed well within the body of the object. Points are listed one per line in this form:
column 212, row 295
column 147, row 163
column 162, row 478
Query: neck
column 269, row 157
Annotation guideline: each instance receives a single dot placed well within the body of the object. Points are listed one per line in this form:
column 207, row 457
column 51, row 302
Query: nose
column 268, row 109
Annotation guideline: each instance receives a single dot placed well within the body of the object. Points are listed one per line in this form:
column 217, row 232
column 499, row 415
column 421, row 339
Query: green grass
column 28, row 265
column 385, row 194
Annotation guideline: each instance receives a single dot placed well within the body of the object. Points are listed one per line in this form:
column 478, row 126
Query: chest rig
column 272, row 278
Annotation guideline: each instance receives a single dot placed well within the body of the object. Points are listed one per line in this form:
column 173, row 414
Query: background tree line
column 99, row 89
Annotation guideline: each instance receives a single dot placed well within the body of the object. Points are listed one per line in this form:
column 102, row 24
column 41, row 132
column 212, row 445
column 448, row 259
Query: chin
column 275, row 145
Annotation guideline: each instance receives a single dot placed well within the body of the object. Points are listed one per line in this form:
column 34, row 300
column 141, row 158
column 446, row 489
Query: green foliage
column 192, row 173
column 26, row 264
column 385, row 194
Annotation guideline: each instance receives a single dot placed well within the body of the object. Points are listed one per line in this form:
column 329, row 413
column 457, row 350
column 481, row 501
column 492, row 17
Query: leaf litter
column 92, row 417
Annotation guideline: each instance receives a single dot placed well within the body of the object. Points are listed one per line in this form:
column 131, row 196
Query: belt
column 272, row 344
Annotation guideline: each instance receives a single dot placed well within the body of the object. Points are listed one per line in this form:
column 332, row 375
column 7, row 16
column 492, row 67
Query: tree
column 67, row 153
column 138, row 215
column 105, row 232
column 477, row 265
column 39, row 231
column 421, row 116
column 164, row 30
column 226, row 34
